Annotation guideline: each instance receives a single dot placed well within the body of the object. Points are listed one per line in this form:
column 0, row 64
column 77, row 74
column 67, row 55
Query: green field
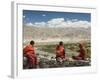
column 69, row 48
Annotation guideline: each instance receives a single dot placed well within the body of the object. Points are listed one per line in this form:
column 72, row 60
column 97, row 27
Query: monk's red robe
column 29, row 52
column 60, row 52
column 81, row 55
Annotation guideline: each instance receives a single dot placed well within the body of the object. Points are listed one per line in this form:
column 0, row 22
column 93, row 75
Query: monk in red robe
column 29, row 52
column 82, row 53
column 60, row 51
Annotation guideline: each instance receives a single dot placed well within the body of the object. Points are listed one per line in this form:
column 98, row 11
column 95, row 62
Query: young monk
column 60, row 51
column 29, row 52
column 82, row 53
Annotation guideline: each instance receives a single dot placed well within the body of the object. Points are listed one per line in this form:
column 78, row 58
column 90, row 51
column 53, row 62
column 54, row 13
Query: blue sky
column 30, row 16
column 56, row 19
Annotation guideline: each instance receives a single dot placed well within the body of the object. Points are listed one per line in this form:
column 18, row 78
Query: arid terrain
column 47, row 38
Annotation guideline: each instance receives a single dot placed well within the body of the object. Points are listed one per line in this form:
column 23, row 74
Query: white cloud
column 74, row 20
column 29, row 24
column 40, row 24
column 57, row 22
column 24, row 16
column 84, row 24
column 60, row 22
column 43, row 15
